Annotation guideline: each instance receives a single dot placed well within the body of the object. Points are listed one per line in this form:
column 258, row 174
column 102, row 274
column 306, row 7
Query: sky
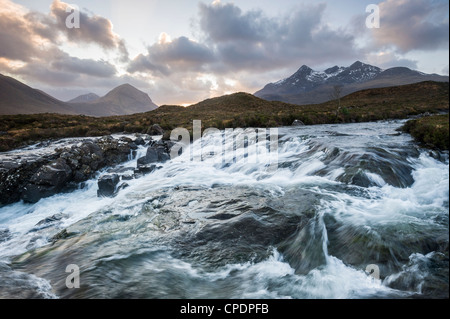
column 184, row 51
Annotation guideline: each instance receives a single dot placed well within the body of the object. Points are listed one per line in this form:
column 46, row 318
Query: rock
column 47, row 181
column 122, row 186
column 61, row 235
column 52, row 219
column 56, row 174
column 166, row 136
column 43, row 176
column 298, row 123
column 5, row 234
column 139, row 141
column 127, row 177
column 107, row 185
column 144, row 169
column 154, row 155
column 155, row 129
column 34, row 193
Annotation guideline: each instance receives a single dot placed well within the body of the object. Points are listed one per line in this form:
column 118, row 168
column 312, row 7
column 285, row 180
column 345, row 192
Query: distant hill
column 18, row 98
column 123, row 100
column 307, row 86
column 85, row 98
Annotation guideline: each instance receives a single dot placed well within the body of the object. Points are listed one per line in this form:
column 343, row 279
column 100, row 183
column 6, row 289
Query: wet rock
column 127, row 177
column 155, row 129
column 5, row 234
column 44, row 176
column 107, row 185
column 139, row 141
column 47, row 181
column 56, row 174
column 14, row 177
column 51, row 219
column 122, row 186
column 157, row 153
column 61, row 235
column 144, row 169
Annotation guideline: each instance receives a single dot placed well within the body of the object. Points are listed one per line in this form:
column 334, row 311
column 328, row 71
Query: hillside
column 232, row 111
column 18, row 98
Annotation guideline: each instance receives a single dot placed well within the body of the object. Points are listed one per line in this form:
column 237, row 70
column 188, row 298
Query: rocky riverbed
column 46, row 169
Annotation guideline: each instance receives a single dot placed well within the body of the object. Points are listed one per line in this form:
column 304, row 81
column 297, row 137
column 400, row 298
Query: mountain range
column 18, row 98
column 307, row 86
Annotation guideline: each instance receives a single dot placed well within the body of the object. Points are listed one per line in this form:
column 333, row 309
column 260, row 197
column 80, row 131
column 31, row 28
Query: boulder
column 47, row 181
column 144, row 169
column 155, row 129
column 154, row 155
column 107, row 185
column 55, row 174
column 139, row 141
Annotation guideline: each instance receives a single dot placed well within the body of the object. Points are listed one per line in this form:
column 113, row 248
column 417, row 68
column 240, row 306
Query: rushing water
column 343, row 197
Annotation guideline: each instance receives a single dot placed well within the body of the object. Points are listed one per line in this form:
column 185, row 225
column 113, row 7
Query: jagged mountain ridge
column 307, row 86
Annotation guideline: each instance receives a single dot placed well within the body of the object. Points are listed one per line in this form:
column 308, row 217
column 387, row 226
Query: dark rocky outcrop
column 158, row 152
column 42, row 176
column 39, row 176
column 107, row 185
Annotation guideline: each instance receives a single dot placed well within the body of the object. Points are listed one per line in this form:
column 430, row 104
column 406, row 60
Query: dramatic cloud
column 413, row 25
column 30, row 45
column 179, row 55
column 66, row 63
column 235, row 45
column 19, row 41
column 93, row 29
column 253, row 41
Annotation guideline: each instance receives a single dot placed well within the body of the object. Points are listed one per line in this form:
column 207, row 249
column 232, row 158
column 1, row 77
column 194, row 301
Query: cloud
column 389, row 59
column 413, row 25
column 253, row 41
column 30, row 47
column 93, row 29
column 64, row 62
column 178, row 55
column 19, row 41
column 233, row 41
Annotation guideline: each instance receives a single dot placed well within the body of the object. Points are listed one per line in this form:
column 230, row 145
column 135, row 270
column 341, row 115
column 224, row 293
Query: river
column 345, row 200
